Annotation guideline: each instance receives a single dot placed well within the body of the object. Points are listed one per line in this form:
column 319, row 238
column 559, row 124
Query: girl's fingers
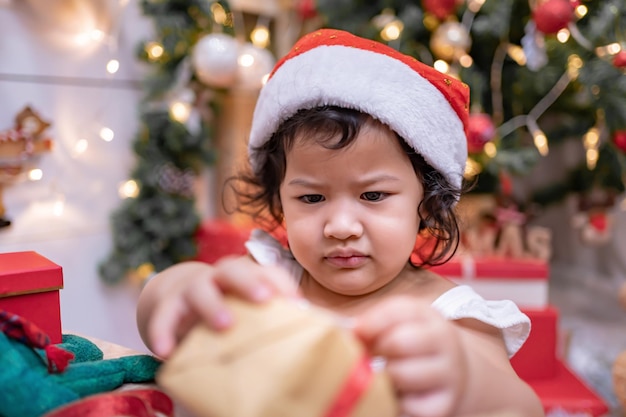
column 416, row 375
column 407, row 339
column 253, row 282
column 429, row 404
column 390, row 313
column 200, row 300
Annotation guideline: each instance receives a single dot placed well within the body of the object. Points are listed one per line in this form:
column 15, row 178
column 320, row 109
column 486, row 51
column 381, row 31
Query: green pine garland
column 156, row 229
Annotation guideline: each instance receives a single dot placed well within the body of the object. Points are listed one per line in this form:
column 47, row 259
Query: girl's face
column 351, row 214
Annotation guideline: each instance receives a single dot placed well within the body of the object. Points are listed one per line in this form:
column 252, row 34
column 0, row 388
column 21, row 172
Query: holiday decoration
column 550, row 16
column 480, row 131
column 20, row 149
column 619, row 140
column 441, row 9
column 619, row 60
column 450, row 41
column 254, row 64
column 203, row 76
column 306, row 9
column 594, row 220
column 156, row 223
column 544, row 71
column 214, row 60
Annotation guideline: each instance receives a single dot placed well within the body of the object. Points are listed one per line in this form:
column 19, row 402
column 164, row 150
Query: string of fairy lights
column 252, row 56
column 219, row 61
column 73, row 139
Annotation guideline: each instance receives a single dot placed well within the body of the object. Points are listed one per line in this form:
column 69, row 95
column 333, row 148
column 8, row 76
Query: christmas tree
column 156, row 224
column 540, row 72
column 197, row 54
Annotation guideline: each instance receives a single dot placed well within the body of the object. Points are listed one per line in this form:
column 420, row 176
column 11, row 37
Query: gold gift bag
column 278, row 360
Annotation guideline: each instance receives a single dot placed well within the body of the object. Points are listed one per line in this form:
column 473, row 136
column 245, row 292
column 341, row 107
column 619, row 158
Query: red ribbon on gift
column 353, row 389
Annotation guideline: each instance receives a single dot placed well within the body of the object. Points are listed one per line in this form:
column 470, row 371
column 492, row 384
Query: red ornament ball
column 480, row 131
column 441, row 9
column 307, row 9
column 619, row 140
column 619, row 60
column 553, row 15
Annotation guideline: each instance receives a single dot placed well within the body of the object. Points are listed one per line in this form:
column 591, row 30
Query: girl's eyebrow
column 365, row 182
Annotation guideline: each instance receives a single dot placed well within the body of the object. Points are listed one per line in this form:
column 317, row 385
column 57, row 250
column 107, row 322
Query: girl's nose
column 342, row 222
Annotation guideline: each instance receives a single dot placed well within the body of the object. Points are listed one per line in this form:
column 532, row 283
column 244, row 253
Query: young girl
column 358, row 150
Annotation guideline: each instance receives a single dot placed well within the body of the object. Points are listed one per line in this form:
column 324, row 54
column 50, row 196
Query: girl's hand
column 425, row 359
column 177, row 298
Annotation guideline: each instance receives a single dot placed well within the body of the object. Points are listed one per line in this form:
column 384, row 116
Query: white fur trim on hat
column 371, row 82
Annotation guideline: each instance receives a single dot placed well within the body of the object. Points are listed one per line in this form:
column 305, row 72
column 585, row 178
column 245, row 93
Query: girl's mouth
column 350, row 261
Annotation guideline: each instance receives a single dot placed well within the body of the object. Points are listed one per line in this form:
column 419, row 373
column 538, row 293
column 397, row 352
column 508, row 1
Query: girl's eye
column 312, row 198
column 373, row 196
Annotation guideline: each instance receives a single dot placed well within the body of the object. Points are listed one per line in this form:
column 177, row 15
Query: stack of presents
column 540, row 361
column 503, row 257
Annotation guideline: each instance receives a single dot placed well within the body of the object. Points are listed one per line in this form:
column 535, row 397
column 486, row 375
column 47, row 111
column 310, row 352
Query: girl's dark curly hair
column 257, row 194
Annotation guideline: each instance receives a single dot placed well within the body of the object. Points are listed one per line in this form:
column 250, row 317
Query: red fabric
column 58, row 358
column 28, row 333
column 455, row 91
column 132, row 403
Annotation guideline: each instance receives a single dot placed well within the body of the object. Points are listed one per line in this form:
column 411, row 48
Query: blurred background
column 120, row 120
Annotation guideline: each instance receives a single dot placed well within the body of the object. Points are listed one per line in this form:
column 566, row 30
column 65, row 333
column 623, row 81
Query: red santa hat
column 427, row 108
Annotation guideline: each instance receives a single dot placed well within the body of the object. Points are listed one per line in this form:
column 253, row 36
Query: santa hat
column 427, row 108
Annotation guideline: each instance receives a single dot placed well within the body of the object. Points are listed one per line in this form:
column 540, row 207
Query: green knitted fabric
column 28, row 390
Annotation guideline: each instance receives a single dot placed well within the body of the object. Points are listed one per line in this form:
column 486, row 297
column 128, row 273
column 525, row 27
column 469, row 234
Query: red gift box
column 538, row 363
column 29, row 287
column 568, row 394
column 523, row 281
column 219, row 238
column 537, row 358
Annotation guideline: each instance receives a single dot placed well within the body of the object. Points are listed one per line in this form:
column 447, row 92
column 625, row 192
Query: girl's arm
column 180, row 296
column 492, row 383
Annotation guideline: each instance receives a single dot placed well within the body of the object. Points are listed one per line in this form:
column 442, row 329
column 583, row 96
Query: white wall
column 67, row 84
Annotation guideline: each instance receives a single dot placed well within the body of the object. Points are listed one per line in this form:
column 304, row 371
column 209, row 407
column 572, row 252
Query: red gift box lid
column 27, row 273
column 494, row 267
